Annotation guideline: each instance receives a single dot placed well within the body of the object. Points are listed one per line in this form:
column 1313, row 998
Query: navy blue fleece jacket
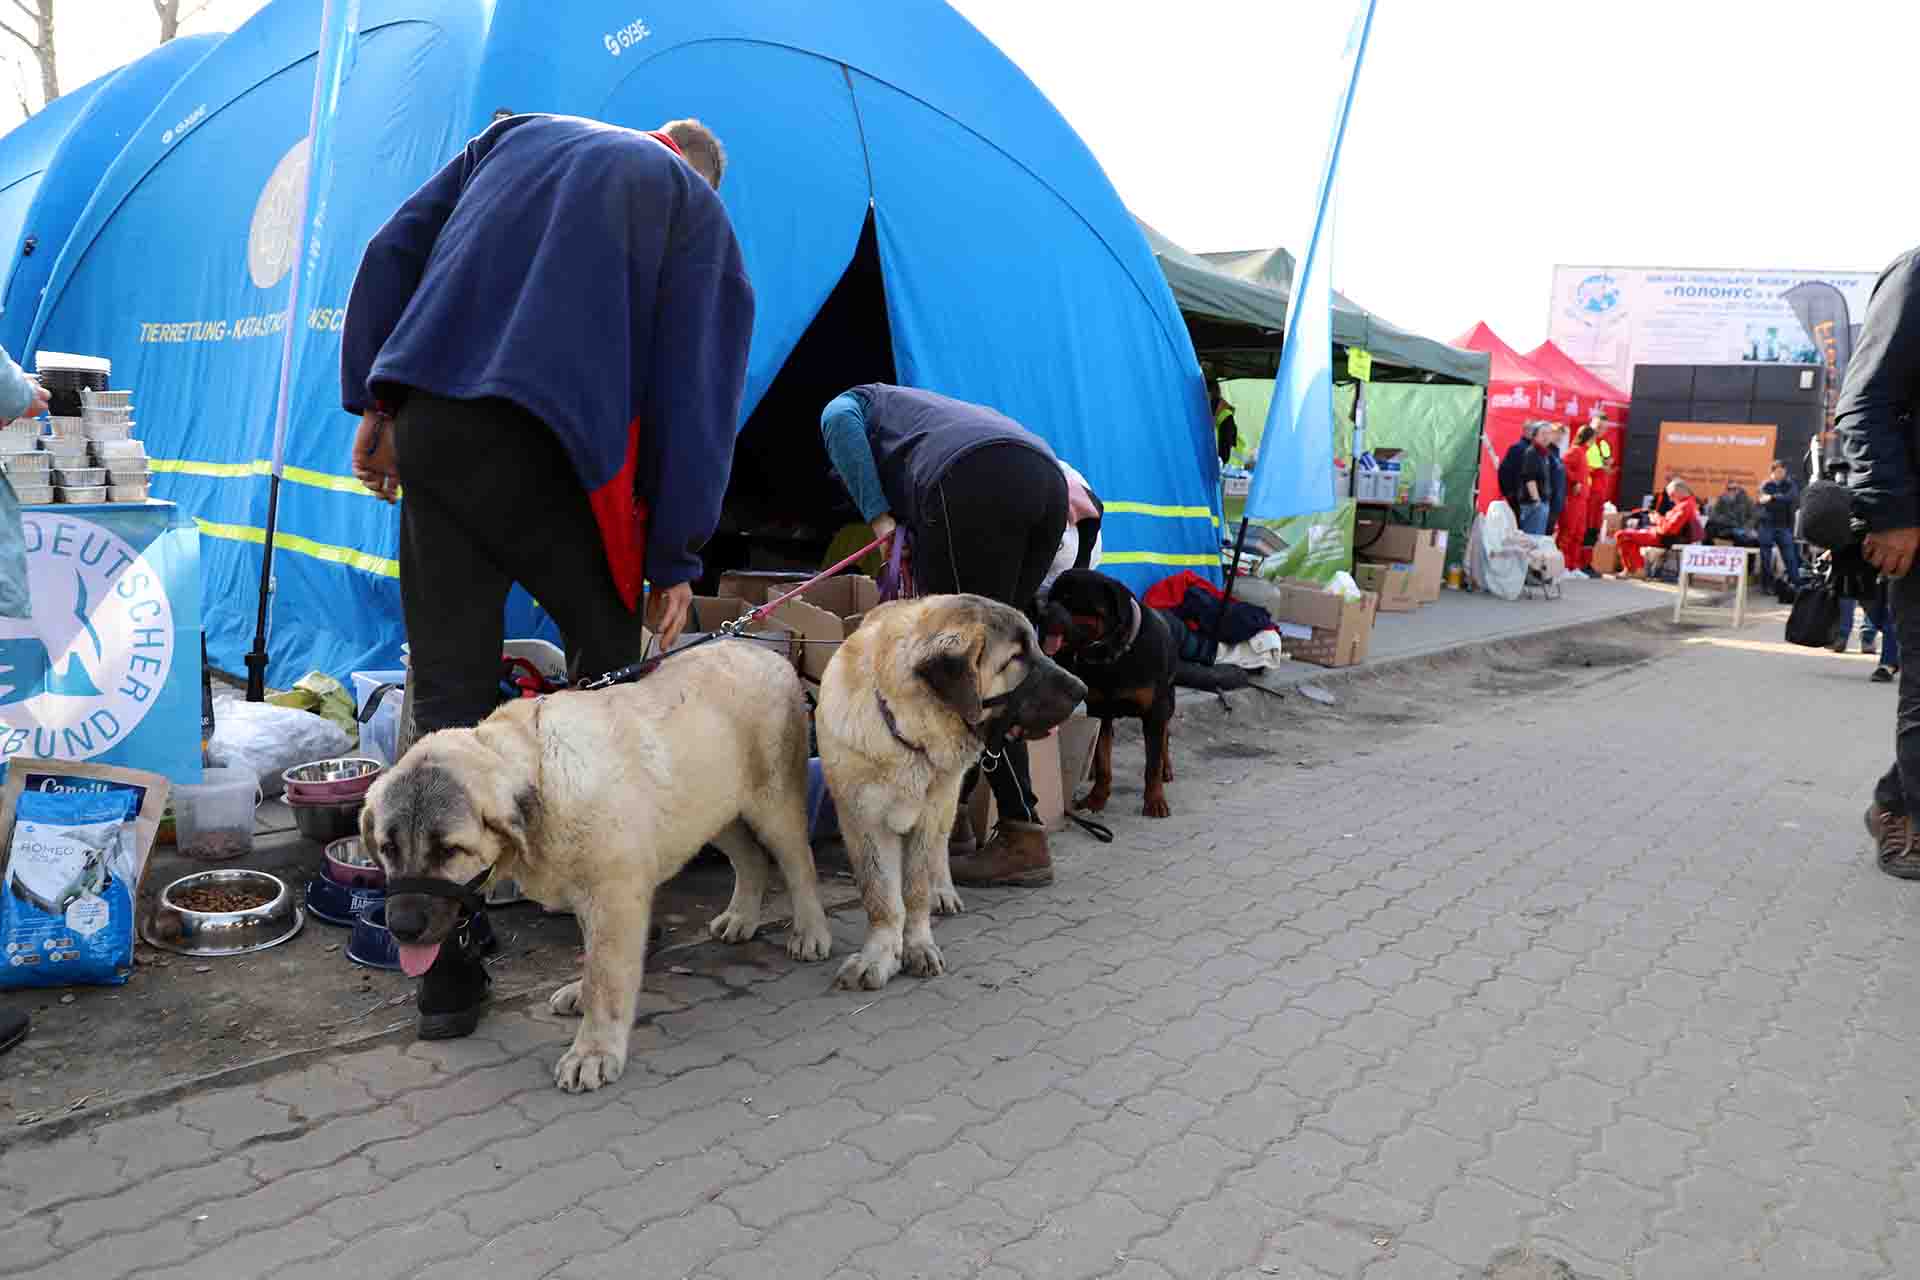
column 589, row 275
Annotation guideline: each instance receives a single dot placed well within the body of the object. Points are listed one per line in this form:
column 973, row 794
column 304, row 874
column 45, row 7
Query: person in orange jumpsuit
column 1670, row 527
column 1574, row 520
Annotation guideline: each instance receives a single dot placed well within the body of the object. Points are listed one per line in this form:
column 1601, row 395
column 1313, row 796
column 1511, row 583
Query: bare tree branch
column 33, row 14
column 20, row 37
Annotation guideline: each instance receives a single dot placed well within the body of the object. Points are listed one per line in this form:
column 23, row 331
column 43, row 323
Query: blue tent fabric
column 98, row 134
column 1013, row 274
column 25, row 152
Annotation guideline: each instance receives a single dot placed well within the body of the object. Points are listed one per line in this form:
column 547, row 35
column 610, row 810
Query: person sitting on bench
column 1671, row 529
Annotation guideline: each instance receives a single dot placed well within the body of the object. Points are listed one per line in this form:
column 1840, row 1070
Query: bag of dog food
column 76, row 846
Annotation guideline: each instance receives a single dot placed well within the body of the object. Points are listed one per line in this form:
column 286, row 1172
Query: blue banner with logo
column 108, row 667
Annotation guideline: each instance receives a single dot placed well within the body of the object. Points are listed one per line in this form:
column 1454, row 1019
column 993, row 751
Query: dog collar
column 893, row 726
column 1112, row 647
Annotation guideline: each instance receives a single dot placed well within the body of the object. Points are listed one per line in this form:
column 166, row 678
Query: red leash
column 756, row 614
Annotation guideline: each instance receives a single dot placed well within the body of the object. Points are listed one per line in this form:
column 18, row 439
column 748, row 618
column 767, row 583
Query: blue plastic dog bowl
column 336, row 904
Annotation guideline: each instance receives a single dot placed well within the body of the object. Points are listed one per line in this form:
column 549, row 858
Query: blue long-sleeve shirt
column 589, row 275
column 843, row 425
column 16, row 389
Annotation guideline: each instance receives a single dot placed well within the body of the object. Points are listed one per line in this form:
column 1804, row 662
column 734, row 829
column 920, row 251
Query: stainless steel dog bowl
column 331, row 781
column 325, row 823
column 172, row 927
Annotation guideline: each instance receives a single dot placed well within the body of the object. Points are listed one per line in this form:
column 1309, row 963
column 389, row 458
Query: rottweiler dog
column 1126, row 654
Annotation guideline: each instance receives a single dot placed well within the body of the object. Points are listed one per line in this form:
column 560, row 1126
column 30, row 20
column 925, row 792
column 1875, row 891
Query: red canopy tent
column 1589, row 390
column 1518, row 392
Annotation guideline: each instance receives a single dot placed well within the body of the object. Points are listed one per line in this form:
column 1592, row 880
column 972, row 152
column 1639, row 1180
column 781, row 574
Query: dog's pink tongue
column 415, row 958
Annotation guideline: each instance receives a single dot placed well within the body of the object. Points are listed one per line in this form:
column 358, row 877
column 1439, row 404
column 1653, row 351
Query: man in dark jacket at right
column 1876, row 425
column 1523, row 480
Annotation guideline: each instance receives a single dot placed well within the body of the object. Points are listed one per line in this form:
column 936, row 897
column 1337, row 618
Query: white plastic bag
column 1497, row 553
column 270, row 740
column 1343, row 585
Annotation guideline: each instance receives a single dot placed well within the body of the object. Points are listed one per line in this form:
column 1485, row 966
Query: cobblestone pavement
column 1388, row 1018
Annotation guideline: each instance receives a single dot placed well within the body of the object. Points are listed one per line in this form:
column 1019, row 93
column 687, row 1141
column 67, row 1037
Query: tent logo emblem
column 1512, row 398
column 1596, row 295
column 81, row 674
column 276, row 219
column 194, row 117
column 626, row 37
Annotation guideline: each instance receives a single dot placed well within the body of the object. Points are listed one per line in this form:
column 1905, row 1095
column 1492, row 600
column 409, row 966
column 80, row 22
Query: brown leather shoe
column 1893, row 841
column 1016, row 855
column 962, row 842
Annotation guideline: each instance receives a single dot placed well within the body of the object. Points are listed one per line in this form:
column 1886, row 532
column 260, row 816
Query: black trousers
column 994, row 526
column 492, row 499
column 1898, row 790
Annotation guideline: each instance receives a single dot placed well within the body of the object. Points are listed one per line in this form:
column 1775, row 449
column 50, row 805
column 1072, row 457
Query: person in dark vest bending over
column 547, row 347
column 986, row 502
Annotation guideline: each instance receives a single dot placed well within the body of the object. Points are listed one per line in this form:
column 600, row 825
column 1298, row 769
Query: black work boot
column 454, row 990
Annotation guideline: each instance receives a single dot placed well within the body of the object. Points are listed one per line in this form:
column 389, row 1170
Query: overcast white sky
column 1490, row 140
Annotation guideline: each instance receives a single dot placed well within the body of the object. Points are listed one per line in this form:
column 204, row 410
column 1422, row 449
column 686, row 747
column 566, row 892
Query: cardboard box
column 1393, row 583
column 1059, row 763
column 1424, row 549
column 1339, row 629
column 820, row 617
column 1606, row 557
column 711, row 612
column 1610, row 524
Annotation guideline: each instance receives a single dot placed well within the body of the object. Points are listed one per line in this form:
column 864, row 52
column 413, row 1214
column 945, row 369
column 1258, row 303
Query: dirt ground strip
column 182, row 1023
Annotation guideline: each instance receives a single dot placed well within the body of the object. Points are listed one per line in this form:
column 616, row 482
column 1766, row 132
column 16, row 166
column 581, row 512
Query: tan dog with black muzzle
column 591, row 801
column 906, row 707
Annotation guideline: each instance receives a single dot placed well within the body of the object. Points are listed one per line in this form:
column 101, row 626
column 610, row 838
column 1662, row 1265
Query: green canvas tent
column 1235, row 306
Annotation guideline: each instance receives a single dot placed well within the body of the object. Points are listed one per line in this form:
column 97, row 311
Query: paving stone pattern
column 1433, row 1012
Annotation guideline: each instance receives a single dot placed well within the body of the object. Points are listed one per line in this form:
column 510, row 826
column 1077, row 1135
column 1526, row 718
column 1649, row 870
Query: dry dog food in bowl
column 211, row 899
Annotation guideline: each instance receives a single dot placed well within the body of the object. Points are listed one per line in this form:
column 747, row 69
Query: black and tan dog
column 1126, row 654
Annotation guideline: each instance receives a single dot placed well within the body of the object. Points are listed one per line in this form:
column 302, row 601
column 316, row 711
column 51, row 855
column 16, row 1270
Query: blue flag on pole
column 1294, row 474
column 339, row 42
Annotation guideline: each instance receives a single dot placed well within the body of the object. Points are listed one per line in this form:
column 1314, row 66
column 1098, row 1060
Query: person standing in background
column 1573, row 520
column 1556, row 479
column 20, row 397
column 1779, row 499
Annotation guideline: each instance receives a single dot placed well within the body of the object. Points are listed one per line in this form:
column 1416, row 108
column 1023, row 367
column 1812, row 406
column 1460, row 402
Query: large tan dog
column 591, row 801
column 906, row 706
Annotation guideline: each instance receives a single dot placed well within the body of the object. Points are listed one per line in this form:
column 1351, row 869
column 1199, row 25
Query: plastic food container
column 129, row 449
column 128, row 492
column 213, row 818
column 64, row 426
column 105, row 399
column 31, row 463
column 79, row 476
column 80, row 494
column 108, row 431
column 20, row 434
column 95, row 417
column 66, row 447
column 34, row 495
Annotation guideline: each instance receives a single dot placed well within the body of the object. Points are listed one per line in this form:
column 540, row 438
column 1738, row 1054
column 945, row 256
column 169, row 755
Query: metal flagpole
column 339, row 33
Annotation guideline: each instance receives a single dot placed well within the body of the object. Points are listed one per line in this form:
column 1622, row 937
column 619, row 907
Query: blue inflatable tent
column 25, row 152
column 117, row 105
column 911, row 208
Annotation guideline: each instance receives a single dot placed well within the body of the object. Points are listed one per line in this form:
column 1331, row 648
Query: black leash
column 1098, row 830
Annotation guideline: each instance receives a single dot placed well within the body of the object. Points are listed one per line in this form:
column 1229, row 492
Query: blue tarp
column 1013, row 274
column 99, row 132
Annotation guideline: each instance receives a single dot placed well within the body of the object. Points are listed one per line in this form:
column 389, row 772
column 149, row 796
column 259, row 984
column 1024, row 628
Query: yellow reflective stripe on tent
column 260, row 467
column 1161, row 510
column 1179, row 558
column 364, row 561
